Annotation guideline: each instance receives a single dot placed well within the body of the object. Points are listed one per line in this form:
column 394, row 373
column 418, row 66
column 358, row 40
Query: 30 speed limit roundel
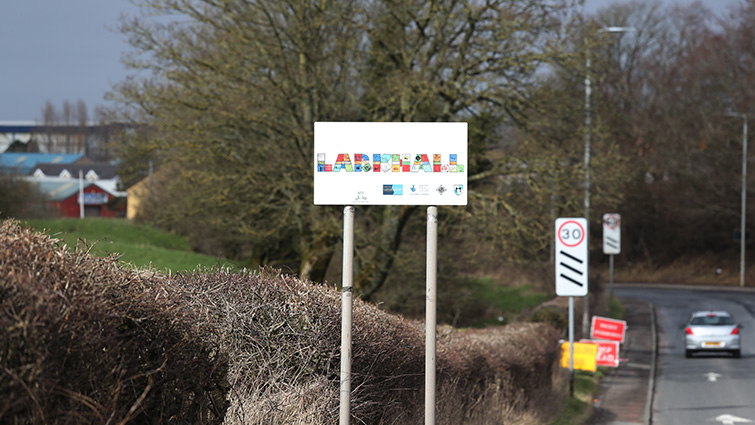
column 571, row 257
column 571, row 233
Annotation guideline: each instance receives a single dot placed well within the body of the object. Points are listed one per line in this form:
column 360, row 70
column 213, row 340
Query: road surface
column 708, row 388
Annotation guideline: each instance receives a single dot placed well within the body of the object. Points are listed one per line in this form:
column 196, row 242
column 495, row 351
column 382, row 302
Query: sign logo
column 458, row 189
column 441, row 189
column 360, row 198
column 393, row 189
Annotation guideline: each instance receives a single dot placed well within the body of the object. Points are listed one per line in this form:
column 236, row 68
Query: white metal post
column 430, row 313
column 743, row 231
column 81, row 194
column 347, row 300
column 571, row 346
column 588, row 121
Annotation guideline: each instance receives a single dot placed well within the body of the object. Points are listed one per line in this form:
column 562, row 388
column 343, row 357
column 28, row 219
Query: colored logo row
column 423, row 189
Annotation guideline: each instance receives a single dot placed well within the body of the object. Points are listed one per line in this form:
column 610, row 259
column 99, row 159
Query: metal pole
column 744, row 204
column 588, row 91
column 571, row 346
column 81, row 194
column 430, row 313
column 347, row 300
column 610, row 286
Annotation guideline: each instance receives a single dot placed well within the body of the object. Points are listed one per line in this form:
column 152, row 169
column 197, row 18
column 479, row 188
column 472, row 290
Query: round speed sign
column 571, row 233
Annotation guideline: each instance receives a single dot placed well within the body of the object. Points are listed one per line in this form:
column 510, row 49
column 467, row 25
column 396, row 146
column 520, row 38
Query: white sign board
column 571, row 257
column 390, row 163
column 611, row 234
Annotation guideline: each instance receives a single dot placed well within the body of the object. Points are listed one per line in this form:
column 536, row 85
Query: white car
column 711, row 331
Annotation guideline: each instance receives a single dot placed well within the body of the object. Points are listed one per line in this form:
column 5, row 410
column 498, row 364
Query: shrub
column 551, row 315
column 85, row 341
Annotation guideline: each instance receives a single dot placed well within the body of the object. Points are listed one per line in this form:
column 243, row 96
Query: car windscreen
column 711, row 321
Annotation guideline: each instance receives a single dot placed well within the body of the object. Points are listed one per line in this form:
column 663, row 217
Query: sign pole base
column 347, row 297
column 431, row 314
column 571, row 347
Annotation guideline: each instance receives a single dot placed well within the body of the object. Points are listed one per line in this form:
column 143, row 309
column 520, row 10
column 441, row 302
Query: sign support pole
column 81, row 194
column 610, row 286
column 571, row 347
column 430, row 313
column 347, row 302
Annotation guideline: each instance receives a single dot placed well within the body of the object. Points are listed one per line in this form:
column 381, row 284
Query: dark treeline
column 226, row 117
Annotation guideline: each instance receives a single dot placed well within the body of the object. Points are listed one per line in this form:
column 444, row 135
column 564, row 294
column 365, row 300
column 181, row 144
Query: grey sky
column 60, row 50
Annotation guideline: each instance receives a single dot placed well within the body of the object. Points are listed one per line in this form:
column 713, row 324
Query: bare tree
column 241, row 82
column 69, row 118
column 50, row 121
column 82, row 134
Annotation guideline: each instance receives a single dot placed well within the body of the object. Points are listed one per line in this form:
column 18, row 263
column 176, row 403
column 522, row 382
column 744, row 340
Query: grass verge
column 579, row 409
column 138, row 245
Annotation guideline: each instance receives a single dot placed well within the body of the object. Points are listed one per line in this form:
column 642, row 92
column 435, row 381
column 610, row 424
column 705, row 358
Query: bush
column 85, row 341
column 551, row 315
column 22, row 198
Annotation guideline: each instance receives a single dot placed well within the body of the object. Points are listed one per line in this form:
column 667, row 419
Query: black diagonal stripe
column 613, row 245
column 570, row 279
column 611, row 239
column 572, row 268
column 572, row 257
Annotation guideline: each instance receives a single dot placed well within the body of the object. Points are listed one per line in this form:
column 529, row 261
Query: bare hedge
column 85, row 340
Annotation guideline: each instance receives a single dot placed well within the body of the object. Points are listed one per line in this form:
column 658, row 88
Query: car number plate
column 711, row 344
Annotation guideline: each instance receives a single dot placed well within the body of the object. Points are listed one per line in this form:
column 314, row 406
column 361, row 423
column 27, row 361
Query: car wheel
column 687, row 353
column 737, row 353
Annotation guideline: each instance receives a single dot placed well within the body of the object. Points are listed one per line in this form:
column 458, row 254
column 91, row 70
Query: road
column 706, row 389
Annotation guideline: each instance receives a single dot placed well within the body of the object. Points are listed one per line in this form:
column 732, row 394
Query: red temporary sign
column 609, row 329
column 608, row 352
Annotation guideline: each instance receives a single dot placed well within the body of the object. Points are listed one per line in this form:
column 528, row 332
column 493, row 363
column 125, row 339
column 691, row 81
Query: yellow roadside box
column 585, row 356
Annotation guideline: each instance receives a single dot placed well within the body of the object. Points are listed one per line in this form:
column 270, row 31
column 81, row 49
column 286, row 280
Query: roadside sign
column 571, row 257
column 608, row 352
column 611, row 234
column 390, row 163
column 585, row 356
column 608, row 329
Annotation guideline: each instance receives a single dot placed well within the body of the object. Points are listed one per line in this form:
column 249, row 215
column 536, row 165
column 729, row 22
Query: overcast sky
column 61, row 50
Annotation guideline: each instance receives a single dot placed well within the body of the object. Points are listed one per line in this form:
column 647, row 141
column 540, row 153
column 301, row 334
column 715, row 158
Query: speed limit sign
column 571, row 257
column 611, row 234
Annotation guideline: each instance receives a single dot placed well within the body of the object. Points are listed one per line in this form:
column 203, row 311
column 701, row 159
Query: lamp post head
column 617, row 29
column 735, row 114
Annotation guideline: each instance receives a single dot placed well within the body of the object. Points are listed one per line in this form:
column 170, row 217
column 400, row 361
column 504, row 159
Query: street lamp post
column 744, row 197
column 588, row 122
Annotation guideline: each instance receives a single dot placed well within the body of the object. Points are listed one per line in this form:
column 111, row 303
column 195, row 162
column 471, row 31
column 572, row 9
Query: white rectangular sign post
column 390, row 163
column 367, row 163
column 611, row 242
column 571, row 255
column 611, row 234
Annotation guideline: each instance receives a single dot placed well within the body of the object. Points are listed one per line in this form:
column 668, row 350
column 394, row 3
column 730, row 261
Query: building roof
column 104, row 171
column 22, row 162
column 61, row 190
